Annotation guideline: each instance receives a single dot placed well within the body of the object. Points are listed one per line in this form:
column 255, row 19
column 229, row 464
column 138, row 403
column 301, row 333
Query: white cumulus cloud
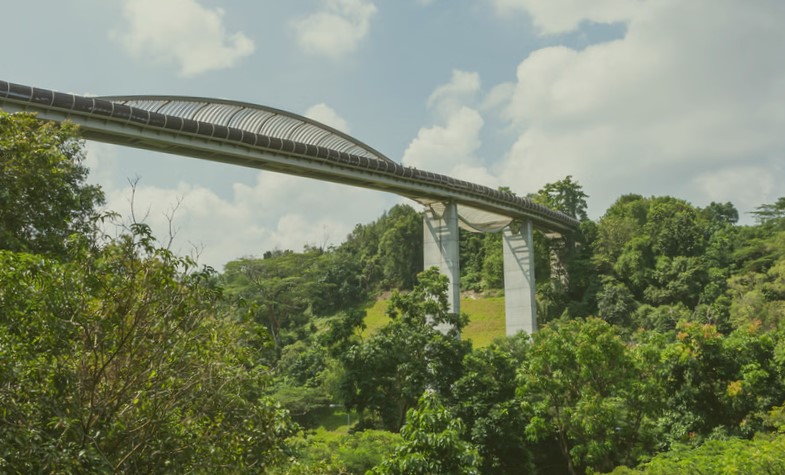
column 183, row 33
column 336, row 30
column 560, row 16
column 276, row 211
column 452, row 147
column 686, row 103
column 449, row 98
column 326, row 115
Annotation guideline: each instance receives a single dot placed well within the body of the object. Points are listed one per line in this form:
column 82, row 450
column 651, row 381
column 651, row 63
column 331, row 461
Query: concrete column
column 440, row 249
column 520, row 307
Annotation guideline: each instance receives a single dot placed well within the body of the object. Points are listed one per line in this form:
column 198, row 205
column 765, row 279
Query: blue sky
column 653, row 97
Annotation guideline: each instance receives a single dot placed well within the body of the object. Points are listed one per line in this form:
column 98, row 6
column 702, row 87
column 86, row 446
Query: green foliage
column 565, row 275
column 400, row 247
column 355, row 453
column 566, row 196
column 388, row 251
column 667, row 254
column 717, row 384
column 484, row 398
column 759, row 297
column 721, row 457
column 388, row 372
column 279, row 290
column 675, row 228
column 771, row 215
column 116, row 361
column 615, row 303
column 582, row 386
column 472, row 257
column 43, row 195
column 493, row 262
column 486, row 319
column 114, row 355
column 432, row 444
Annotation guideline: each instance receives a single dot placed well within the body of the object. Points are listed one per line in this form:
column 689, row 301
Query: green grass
column 486, row 319
column 332, row 422
column 375, row 317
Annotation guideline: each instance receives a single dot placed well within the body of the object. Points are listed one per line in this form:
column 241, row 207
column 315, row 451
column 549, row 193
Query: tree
column 117, row 361
column 354, row 453
column 566, row 196
column 771, row 215
column 721, row 214
column 615, row 303
column 278, row 290
column 114, row 356
column 432, row 444
column 43, row 195
column 583, row 388
column 493, row 262
column 388, row 372
column 675, row 228
column 389, row 250
column 718, row 385
column 400, row 247
column 759, row 297
column 762, row 455
column 484, row 398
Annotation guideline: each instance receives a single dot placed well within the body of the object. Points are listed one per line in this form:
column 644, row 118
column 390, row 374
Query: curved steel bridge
column 261, row 137
column 270, row 139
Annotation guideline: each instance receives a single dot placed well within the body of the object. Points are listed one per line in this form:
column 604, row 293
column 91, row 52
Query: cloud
column 733, row 184
column 452, row 148
column 183, row 33
column 686, row 103
column 561, row 16
column 276, row 211
column 326, row 115
column 448, row 98
column 337, row 30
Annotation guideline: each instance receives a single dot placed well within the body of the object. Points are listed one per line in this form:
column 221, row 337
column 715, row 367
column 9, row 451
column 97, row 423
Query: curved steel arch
column 269, row 139
column 252, row 118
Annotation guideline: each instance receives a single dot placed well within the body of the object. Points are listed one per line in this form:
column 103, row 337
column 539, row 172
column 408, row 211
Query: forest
column 661, row 347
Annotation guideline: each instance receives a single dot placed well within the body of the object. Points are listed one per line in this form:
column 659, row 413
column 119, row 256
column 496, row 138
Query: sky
column 654, row 97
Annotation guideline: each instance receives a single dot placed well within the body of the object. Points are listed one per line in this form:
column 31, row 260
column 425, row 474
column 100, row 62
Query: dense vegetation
column 661, row 348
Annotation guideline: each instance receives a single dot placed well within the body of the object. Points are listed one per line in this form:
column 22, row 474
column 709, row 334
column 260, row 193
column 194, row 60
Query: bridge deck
column 319, row 151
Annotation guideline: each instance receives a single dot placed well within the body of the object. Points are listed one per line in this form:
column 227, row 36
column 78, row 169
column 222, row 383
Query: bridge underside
column 441, row 249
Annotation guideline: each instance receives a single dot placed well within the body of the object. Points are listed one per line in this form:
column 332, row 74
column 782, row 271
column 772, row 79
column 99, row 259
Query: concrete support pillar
column 520, row 307
column 440, row 249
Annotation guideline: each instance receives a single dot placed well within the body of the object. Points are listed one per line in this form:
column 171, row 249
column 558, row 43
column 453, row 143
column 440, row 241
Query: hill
column 486, row 318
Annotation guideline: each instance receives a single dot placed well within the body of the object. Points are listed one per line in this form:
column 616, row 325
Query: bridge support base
column 520, row 306
column 440, row 249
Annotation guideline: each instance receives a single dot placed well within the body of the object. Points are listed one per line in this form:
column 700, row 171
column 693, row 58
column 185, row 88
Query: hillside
column 486, row 318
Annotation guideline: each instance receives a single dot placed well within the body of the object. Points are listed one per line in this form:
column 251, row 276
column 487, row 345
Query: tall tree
column 388, row 372
column 585, row 390
column 43, row 194
column 117, row 361
column 484, row 398
column 566, row 196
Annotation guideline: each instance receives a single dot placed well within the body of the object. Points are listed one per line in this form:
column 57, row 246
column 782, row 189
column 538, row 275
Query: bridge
column 265, row 138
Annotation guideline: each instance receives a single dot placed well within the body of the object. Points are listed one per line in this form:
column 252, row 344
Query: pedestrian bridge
column 261, row 137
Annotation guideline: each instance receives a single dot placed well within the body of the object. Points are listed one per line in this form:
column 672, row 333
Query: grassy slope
column 486, row 319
